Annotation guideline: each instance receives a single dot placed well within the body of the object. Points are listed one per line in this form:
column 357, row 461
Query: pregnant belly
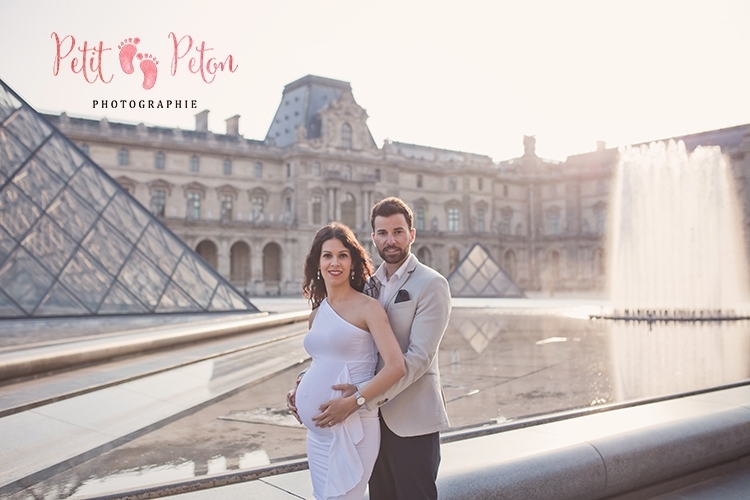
column 315, row 389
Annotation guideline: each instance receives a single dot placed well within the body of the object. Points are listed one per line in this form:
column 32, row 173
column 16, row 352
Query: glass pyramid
column 74, row 243
column 478, row 275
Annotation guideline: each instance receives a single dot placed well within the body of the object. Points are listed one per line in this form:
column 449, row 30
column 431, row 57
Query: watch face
column 361, row 400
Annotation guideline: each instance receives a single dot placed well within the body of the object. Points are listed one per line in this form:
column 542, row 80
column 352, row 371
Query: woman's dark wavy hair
column 314, row 289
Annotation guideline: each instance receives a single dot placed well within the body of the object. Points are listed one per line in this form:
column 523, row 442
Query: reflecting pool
column 516, row 359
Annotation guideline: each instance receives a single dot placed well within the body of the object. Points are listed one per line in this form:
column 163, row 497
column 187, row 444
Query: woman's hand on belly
column 335, row 411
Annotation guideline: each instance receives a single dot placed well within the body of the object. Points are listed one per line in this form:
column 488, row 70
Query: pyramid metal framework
column 478, row 275
column 74, row 243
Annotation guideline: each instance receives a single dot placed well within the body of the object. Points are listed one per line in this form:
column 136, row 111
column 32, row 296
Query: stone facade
column 251, row 207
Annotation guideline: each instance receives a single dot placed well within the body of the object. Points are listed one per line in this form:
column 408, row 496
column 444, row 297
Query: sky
column 472, row 76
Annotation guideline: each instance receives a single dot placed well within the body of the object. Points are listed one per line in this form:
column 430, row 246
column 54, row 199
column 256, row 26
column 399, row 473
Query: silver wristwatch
column 359, row 398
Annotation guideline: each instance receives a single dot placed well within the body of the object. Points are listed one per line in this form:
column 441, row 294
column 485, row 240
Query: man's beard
column 394, row 258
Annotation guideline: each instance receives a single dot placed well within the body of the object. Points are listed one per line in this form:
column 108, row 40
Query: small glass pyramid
column 74, row 243
column 478, row 275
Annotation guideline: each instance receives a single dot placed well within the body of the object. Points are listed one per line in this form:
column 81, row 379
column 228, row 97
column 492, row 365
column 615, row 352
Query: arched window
column 207, row 250
column 239, row 263
column 346, row 136
column 452, row 259
column 424, row 256
column 554, row 265
column 272, row 263
column 509, row 264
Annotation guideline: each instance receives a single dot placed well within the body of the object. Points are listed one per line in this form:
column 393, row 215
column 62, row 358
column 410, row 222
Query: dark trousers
column 406, row 467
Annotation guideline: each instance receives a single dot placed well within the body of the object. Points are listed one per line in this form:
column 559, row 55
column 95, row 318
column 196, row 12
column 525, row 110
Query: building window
column 452, row 184
column 554, row 223
column 316, row 169
column 420, row 218
column 194, row 164
column 258, row 170
column 194, row 206
column 288, row 170
column 348, row 172
column 317, row 210
column 454, row 217
column 505, row 190
column 346, row 136
column 122, row 156
column 227, row 166
column 480, row 184
column 601, row 220
column 85, row 149
column 257, row 207
column 159, row 160
column 226, row 207
column 288, row 207
column 377, row 174
column 480, row 220
column 505, row 224
column 419, row 180
column 158, row 202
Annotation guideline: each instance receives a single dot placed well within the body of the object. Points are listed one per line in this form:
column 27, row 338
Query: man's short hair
column 391, row 206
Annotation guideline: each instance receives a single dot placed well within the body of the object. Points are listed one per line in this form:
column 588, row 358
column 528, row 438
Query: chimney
column 529, row 145
column 601, row 145
column 233, row 126
column 201, row 121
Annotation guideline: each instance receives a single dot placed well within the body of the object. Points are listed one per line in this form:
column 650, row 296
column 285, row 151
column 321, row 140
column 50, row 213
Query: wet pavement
column 497, row 365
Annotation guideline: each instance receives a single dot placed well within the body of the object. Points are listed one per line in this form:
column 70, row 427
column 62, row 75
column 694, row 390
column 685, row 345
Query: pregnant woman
column 347, row 331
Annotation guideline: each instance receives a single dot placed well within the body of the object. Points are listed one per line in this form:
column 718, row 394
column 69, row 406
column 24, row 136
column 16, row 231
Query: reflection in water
column 497, row 364
column 670, row 358
column 154, row 474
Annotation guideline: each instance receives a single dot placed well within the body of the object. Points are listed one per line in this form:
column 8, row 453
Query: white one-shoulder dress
column 341, row 457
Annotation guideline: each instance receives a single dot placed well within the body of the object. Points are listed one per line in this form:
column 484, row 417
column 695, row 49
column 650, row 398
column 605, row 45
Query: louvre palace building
column 250, row 208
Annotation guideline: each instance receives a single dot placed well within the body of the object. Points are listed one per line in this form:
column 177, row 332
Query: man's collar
column 407, row 265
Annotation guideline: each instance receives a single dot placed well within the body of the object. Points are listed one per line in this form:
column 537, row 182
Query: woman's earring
column 318, row 273
column 352, row 274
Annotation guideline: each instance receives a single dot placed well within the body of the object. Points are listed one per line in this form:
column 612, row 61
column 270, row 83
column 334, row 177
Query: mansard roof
column 300, row 103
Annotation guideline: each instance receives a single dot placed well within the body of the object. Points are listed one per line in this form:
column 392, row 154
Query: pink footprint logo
column 148, row 66
column 127, row 51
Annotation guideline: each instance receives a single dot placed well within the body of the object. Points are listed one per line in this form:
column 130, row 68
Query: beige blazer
column 415, row 405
